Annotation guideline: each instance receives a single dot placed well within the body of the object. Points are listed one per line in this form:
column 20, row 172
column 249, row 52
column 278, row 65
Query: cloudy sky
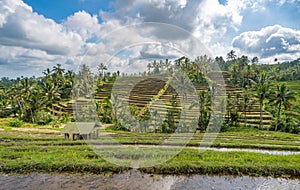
column 125, row 34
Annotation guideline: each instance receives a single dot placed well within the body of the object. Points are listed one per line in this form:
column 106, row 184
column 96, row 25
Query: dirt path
column 31, row 133
column 36, row 130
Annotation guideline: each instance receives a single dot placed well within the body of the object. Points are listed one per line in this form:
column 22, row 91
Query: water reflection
column 136, row 180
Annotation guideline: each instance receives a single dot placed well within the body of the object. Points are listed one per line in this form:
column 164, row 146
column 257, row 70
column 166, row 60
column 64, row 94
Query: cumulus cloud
column 86, row 25
column 205, row 19
column 23, row 28
column 18, row 61
column 271, row 41
column 30, row 41
column 139, row 44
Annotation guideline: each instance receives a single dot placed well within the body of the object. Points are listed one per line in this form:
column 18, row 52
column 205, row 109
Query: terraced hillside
column 157, row 93
column 295, row 87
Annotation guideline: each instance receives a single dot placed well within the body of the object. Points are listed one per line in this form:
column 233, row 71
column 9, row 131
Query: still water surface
column 136, row 180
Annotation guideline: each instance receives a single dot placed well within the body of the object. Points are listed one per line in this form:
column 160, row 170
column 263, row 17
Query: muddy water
column 273, row 152
column 262, row 151
column 135, row 180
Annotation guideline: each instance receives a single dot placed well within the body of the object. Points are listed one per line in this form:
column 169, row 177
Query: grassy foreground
column 24, row 152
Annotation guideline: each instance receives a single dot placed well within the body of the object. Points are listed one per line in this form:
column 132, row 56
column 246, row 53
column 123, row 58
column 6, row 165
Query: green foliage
column 24, row 155
column 56, row 123
column 43, row 117
column 15, row 123
column 120, row 127
column 28, row 98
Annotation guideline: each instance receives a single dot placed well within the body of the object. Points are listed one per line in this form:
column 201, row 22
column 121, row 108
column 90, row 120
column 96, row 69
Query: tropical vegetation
column 61, row 95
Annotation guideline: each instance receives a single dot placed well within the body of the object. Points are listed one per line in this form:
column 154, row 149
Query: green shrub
column 120, row 127
column 15, row 123
column 56, row 123
column 43, row 117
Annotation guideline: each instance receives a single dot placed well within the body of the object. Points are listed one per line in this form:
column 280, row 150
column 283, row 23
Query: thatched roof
column 80, row 127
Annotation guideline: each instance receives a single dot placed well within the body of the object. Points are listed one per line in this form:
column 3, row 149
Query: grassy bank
column 244, row 138
column 20, row 157
column 45, row 153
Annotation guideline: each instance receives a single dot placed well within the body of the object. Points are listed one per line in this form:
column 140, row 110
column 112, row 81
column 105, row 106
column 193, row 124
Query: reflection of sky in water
column 136, row 180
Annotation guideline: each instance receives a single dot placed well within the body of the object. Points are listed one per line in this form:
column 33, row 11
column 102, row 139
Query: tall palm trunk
column 31, row 113
column 261, row 119
column 21, row 108
column 202, row 121
column 278, row 116
column 245, row 117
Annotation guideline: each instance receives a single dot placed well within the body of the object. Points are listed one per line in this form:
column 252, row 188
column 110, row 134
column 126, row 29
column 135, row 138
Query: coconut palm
column 68, row 84
column 204, row 103
column 149, row 66
column 155, row 66
column 231, row 56
column 57, row 69
column 247, row 102
column 262, row 88
column 282, row 97
column 47, row 72
column 168, row 64
column 254, row 60
column 26, row 89
column 183, row 85
column 57, row 75
column 51, row 94
column 101, row 67
column 232, row 108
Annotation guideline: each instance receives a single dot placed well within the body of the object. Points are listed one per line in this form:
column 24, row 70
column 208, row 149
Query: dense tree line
column 33, row 99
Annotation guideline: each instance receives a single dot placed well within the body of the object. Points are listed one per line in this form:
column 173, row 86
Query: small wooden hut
column 81, row 130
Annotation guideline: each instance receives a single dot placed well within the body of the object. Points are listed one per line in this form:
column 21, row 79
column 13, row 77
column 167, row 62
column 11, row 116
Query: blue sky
column 59, row 10
column 36, row 34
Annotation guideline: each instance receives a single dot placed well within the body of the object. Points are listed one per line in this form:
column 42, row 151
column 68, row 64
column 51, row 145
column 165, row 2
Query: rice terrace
column 149, row 95
column 32, row 134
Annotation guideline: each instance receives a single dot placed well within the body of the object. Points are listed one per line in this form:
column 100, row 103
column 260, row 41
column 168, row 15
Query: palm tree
column 57, row 69
column 184, row 87
column 4, row 102
column 47, row 72
column 274, row 72
column 262, row 88
column 254, row 60
column 171, row 113
column 51, row 93
column 155, row 114
column 68, row 84
column 204, row 103
column 26, row 89
column 149, row 66
column 58, row 75
column 282, row 97
column 203, row 63
column 101, row 69
column 14, row 100
column 37, row 102
column 246, row 103
column 178, row 62
column 167, row 64
column 232, row 108
column 156, row 67
column 231, row 55
column 84, row 84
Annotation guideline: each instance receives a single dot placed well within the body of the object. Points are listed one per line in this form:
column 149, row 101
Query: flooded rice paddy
column 134, row 179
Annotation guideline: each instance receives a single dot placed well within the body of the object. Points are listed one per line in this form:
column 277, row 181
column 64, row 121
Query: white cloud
column 206, row 19
column 29, row 40
column 18, row 61
column 272, row 41
column 23, row 28
column 84, row 24
column 9, row 7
